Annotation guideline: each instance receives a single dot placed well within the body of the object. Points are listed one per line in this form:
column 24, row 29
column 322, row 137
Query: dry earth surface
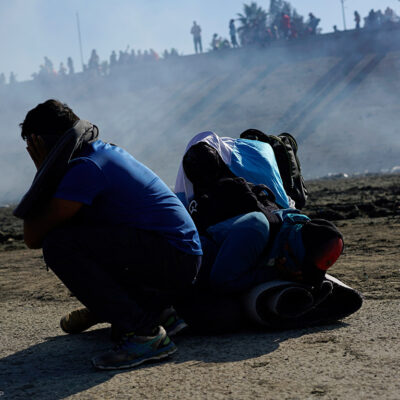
column 358, row 358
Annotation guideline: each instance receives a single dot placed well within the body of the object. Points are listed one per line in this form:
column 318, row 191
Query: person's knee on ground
column 240, row 251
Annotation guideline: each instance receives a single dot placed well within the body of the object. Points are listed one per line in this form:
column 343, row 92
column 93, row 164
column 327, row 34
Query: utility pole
column 80, row 39
column 344, row 16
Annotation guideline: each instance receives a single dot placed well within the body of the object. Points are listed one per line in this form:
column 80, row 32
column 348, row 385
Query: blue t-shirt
column 116, row 189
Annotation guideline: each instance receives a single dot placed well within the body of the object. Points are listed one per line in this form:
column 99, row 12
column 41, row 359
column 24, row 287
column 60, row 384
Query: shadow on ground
column 60, row 366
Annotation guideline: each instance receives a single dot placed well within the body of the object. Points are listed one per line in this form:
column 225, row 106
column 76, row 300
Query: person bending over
column 113, row 232
column 247, row 238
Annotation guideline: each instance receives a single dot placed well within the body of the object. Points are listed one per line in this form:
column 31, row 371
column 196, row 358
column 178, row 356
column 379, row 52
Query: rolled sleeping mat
column 270, row 302
column 284, row 304
column 54, row 167
column 288, row 302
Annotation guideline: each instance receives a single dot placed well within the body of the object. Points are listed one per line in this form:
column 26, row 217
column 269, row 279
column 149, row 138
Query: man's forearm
column 57, row 212
column 33, row 236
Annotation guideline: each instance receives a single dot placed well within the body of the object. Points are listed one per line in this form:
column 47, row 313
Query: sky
column 32, row 29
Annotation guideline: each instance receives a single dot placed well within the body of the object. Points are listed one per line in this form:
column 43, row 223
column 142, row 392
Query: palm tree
column 253, row 24
column 277, row 7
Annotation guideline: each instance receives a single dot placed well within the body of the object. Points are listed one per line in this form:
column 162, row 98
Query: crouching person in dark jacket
column 112, row 231
column 247, row 238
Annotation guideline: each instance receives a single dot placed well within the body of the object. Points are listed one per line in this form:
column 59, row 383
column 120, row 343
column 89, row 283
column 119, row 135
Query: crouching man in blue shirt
column 115, row 235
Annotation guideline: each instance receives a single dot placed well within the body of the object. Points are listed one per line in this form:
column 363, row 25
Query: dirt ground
column 358, row 358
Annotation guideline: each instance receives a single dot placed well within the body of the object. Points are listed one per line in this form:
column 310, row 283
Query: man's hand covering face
column 37, row 150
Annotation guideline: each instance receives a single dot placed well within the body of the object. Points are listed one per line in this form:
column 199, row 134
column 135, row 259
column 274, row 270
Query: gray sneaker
column 134, row 350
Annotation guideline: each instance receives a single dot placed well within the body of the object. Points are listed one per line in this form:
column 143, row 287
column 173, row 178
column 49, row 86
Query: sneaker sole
column 166, row 351
column 65, row 329
column 75, row 331
column 64, row 324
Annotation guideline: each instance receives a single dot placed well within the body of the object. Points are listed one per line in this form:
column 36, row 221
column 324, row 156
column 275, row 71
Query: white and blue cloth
column 250, row 159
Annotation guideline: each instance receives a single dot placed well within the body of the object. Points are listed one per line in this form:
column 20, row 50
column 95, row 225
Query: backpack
column 285, row 150
column 230, row 197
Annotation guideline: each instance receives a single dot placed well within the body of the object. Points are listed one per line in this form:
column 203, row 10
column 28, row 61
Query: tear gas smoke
column 338, row 95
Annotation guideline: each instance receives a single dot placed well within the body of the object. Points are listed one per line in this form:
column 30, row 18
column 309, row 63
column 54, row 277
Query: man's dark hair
column 49, row 118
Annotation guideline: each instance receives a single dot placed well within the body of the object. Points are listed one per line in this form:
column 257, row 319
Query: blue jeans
column 241, row 241
column 125, row 276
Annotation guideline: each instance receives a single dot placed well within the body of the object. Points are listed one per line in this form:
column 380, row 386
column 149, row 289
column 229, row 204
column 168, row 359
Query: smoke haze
column 338, row 95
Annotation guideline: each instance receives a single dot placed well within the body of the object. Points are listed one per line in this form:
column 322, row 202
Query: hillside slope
column 338, row 95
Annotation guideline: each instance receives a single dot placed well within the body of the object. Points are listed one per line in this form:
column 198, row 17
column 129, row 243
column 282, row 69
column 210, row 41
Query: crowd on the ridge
column 96, row 66
column 254, row 27
column 378, row 19
column 282, row 22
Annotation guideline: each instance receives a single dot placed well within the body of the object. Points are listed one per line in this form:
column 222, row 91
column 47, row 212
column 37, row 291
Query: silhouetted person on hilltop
column 371, row 20
column 146, row 55
column 275, row 32
column 196, row 32
column 132, row 56
column 232, row 33
column 153, row 55
column 285, row 25
column 313, row 23
column 122, row 57
column 70, row 65
column 388, row 15
column 174, row 53
column 357, row 19
column 215, row 42
column 48, row 65
column 94, row 62
column 41, row 74
column 2, row 79
column 62, row 71
column 113, row 59
column 379, row 18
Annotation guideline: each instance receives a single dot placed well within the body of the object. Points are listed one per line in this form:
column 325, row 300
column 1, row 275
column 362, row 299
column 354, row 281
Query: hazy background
column 338, row 95
column 32, row 29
